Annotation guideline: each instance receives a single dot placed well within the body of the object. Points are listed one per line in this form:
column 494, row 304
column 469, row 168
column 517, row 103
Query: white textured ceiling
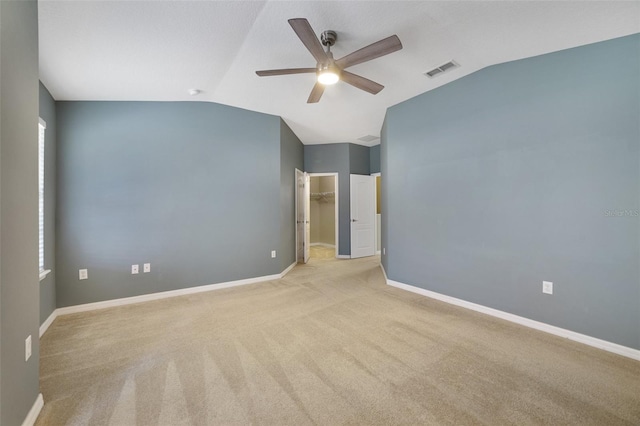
column 157, row 50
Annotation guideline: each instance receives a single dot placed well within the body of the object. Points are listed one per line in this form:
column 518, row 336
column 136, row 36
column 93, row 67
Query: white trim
column 295, row 222
column 33, row 414
column 343, row 256
column 378, row 252
column 161, row 295
column 42, row 122
column 45, row 325
column 323, row 245
column 289, row 268
column 547, row 328
column 376, row 174
column 44, row 274
column 386, row 279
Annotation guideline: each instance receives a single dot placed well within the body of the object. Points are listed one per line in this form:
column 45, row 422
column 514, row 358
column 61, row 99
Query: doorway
column 378, row 211
column 363, row 215
column 323, row 214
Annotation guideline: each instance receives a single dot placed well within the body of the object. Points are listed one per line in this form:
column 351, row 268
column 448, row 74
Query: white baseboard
column 289, row 268
column 386, row 279
column 33, row 414
column 547, row 328
column 45, row 325
column 343, row 256
column 155, row 296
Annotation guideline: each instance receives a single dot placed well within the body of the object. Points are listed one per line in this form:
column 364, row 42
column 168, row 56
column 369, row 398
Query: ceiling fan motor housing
column 328, row 38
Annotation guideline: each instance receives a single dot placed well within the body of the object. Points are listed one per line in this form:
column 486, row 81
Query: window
column 41, row 127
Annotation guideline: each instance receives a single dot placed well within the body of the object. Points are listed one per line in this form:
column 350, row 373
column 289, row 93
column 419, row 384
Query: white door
column 307, row 216
column 363, row 215
column 302, row 217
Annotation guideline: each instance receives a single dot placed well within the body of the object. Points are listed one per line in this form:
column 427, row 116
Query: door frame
column 378, row 174
column 295, row 222
column 337, row 208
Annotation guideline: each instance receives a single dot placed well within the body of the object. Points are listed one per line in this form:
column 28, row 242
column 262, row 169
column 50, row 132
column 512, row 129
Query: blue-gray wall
column 344, row 159
column 359, row 163
column 19, row 287
column 385, row 239
column 523, row 172
column 48, row 284
column 190, row 187
column 374, row 159
column 291, row 158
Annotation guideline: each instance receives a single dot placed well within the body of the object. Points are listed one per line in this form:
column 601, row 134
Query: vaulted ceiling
column 158, row 50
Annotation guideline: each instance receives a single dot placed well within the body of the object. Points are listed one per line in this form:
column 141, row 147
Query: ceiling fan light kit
column 329, row 71
column 328, row 75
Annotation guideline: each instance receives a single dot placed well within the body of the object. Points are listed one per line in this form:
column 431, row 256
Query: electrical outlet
column 27, row 348
column 135, row 269
column 547, row 287
column 384, row 251
column 83, row 274
column 146, row 268
column 273, row 254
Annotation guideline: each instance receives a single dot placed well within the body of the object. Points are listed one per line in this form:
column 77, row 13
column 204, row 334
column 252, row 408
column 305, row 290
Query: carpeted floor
column 329, row 344
column 322, row 252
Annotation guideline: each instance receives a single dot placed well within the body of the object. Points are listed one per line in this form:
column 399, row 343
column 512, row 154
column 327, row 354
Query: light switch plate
column 273, row 254
column 146, row 268
column 83, row 274
column 135, row 269
column 547, row 287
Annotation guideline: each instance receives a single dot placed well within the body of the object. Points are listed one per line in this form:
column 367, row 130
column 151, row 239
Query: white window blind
column 41, row 126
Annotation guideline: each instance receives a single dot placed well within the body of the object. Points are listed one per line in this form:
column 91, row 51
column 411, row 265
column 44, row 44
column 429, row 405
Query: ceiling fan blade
column 316, row 93
column 372, row 51
column 304, row 31
column 361, row 82
column 285, row 71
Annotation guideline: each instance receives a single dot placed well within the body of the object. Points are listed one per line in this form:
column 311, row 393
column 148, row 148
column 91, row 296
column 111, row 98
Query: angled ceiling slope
column 157, row 50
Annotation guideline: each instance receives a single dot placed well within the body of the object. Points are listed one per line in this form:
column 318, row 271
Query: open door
column 303, row 232
column 363, row 216
column 307, row 217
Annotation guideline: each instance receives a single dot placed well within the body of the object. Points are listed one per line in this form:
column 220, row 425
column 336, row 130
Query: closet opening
column 323, row 214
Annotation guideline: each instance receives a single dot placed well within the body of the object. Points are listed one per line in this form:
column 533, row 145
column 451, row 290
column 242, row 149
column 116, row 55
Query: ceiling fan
column 330, row 71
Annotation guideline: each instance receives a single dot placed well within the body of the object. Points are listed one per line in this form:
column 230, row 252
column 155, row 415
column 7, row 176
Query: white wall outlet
column 27, row 348
column 547, row 287
column 135, row 269
column 83, row 274
column 273, row 254
column 146, row 268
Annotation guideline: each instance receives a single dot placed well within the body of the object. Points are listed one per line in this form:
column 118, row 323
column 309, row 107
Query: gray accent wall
column 48, row 284
column 192, row 188
column 523, row 172
column 19, row 287
column 344, row 159
column 384, row 195
column 359, row 162
column 291, row 158
column 374, row 159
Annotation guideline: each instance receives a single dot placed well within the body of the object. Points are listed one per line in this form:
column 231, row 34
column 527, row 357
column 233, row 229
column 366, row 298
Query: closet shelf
column 322, row 196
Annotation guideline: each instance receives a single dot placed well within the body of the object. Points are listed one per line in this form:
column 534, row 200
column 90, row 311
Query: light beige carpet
column 329, row 344
column 322, row 252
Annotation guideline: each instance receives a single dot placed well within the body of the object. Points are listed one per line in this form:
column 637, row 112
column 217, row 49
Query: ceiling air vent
column 442, row 68
column 368, row 138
